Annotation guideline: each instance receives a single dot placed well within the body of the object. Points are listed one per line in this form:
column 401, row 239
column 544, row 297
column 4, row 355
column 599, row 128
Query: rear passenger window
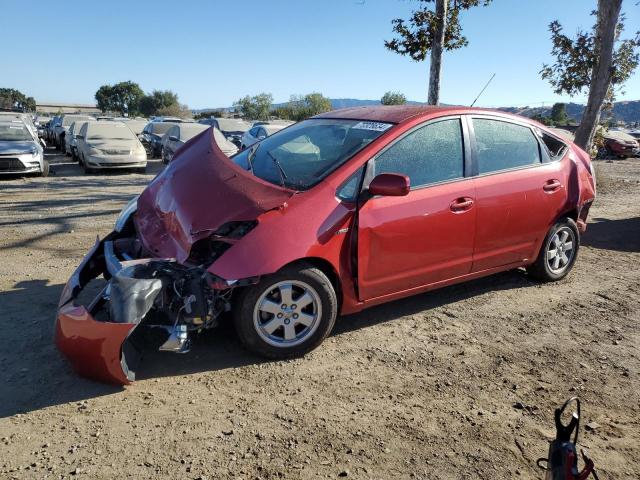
column 430, row 154
column 504, row 145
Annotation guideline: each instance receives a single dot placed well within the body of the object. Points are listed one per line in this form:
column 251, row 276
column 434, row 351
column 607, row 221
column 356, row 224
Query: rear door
column 520, row 191
column 427, row 236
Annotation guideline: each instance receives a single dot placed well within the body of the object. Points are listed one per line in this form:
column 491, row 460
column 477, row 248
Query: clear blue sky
column 211, row 52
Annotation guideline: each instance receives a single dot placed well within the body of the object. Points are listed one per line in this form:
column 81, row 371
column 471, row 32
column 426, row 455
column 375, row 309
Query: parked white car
column 110, row 145
column 260, row 132
column 179, row 134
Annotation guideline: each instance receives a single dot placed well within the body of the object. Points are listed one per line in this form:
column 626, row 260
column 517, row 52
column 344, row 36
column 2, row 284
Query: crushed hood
column 197, row 193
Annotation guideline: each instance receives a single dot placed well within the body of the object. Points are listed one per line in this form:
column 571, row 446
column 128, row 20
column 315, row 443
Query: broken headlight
column 126, row 213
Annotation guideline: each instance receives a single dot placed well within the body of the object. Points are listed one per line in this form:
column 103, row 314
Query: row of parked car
column 97, row 143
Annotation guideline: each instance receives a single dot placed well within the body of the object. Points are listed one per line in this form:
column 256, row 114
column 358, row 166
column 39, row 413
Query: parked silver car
column 261, row 131
column 20, row 150
column 110, row 145
column 60, row 130
column 179, row 134
column 71, row 139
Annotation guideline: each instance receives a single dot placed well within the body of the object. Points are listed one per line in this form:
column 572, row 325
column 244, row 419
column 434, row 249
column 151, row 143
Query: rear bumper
column 94, row 348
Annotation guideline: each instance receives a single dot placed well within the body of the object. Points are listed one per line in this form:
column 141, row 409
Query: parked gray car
column 71, row 139
column 20, row 150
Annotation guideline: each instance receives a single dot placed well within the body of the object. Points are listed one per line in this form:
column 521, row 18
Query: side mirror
column 390, row 185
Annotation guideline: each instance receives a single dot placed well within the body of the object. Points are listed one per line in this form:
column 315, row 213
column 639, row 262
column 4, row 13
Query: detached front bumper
column 96, row 349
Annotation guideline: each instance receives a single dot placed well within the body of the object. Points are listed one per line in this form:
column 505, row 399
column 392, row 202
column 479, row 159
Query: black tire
column 542, row 270
column 45, row 168
column 246, row 304
column 87, row 170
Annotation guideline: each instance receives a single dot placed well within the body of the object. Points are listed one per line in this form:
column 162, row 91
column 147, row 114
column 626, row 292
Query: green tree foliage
column 542, row 119
column 303, row 106
column 123, row 97
column 559, row 114
column 597, row 60
column 256, row 107
column 152, row 103
column 208, row 114
column 14, row 99
column 426, row 31
column 572, row 71
column 393, row 98
column 176, row 110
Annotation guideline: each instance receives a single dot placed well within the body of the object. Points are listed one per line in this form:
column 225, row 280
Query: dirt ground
column 457, row 383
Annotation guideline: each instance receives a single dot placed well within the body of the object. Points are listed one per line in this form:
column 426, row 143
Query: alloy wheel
column 560, row 250
column 287, row 313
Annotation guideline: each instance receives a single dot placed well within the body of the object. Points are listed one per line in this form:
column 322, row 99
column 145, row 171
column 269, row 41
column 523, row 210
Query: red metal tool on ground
column 562, row 463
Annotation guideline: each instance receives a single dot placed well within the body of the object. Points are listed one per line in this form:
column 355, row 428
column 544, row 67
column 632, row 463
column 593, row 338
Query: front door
column 427, row 236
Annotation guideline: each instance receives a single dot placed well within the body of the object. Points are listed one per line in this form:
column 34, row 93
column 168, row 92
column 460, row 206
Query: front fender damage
column 145, row 303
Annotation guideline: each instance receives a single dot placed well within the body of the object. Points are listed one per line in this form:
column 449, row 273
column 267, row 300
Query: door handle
column 552, row 186
column 460, row 205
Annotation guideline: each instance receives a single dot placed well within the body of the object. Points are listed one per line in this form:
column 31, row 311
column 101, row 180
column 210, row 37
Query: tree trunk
column 608, row 13
column 436, row 52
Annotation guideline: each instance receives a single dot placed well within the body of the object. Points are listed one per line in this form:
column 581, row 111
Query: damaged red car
column 346, row 210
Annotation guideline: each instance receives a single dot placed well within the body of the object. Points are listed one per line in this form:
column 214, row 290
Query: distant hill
column 628, row 111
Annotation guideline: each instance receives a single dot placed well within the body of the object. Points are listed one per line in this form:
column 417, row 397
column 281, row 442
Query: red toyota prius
column 346, row 210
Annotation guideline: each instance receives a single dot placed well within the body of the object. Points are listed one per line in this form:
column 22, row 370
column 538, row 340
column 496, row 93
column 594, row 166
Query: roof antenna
column 483, row 89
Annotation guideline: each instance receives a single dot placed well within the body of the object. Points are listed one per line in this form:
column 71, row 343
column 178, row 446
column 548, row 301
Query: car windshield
column 109, row 131
column 233, row 125
column 161, row 127
column 69, row 119
column 302, row 155
column 187, row 132
column 14, row 132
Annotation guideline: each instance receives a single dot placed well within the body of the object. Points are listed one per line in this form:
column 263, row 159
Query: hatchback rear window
column 503, row 145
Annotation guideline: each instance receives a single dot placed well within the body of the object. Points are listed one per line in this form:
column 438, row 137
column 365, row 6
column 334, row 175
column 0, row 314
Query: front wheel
column 286, row 314
column 558, row 253
column 45, row 168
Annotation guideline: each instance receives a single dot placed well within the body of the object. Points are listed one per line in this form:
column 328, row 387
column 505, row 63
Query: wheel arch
column 325, row 267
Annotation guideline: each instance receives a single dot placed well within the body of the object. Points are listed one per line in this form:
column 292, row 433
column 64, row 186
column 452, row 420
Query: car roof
column 404, row 113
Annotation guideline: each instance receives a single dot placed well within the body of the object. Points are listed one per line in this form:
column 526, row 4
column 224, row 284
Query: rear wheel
column 558, row 253
column 286, row 314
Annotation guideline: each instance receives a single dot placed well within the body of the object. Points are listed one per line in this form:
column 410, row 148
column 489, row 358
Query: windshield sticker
column 375, row 126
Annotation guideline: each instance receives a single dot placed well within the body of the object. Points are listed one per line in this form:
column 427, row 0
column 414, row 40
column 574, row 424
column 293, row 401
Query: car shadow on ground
column 220, row 349
column 622, row 235
column 35, row 375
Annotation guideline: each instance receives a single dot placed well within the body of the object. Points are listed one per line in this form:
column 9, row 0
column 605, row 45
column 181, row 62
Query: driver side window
column 430, row 154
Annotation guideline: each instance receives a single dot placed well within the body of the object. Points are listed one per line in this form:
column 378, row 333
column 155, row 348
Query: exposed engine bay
column 163, row 301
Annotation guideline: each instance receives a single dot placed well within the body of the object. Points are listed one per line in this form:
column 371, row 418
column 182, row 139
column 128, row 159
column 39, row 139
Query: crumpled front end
column 143, row 303
column 95, row 348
